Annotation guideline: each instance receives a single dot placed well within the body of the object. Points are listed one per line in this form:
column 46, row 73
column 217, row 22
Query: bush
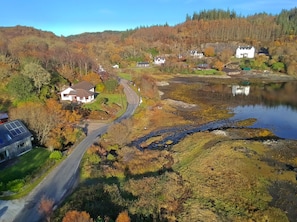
column 94, row 158
column 110, row 157
column 15, row 185
column 56, row 155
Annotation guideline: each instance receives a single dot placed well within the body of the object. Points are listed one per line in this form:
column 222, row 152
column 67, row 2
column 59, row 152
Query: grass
column 25, row 165
column 119, row 99
column 207, row 72
column 228, row 178
column 126, row 76
column 31, row 167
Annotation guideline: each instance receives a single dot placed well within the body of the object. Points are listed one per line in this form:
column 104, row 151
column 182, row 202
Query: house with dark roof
column 15, row 140
column 82, row 92
column 3, row 117
column 143, row 64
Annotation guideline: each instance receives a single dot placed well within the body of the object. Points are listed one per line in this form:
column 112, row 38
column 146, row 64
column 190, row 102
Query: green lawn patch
column 25, row 173
column 207, row 72
column 126, row 76
column 107, row 99
column 25, row 165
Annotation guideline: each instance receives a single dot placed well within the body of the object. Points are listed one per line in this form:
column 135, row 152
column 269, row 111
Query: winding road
column 63, row 179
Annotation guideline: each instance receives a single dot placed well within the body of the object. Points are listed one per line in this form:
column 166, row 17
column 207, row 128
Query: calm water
column 281, row 120
column 274, row 106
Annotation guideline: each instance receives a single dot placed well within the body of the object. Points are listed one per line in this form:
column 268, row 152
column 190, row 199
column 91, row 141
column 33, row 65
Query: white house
column 196, row 54
column 245, row 52
column 82, row 92
column 159, row 60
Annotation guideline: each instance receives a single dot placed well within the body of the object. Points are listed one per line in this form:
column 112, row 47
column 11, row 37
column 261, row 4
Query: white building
column 159, row 60
column 245, row 52
column 83, row 92
column 196, row 54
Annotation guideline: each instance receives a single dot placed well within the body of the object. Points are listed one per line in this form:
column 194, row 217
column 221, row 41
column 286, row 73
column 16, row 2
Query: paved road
column 61, row 181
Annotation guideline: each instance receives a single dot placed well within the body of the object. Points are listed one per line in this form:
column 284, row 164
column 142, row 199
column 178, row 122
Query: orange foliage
column 92, row 77
column 219, row 65
column 209, row 51
column 123, row 217
column 76, row 216
column 46, row 207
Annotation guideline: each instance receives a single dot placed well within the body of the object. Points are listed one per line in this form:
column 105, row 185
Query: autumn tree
column 76, row 216
column 123, row 217
column 117, row 133
column 52, row 126
column 93, row 78
column 225, row 55
column 218, row 65
column 209, row 51
column 46, row 207
column 36, row 117
column 63, row 131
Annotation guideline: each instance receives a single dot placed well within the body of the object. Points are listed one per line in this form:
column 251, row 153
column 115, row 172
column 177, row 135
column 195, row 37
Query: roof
column 245, row 47
column 81, row 93
column 11, row 132
column 3, row 116
column 83, row 85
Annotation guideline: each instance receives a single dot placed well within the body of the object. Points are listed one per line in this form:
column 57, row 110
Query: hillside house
column 143, row 64
column 159, row 60
column 203, row 66
column 15, row 140
column 245, row 52
column 82, row 92
column 3, row 117
column 196, row 54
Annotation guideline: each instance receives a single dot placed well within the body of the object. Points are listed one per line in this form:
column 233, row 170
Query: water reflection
column 238, row 89
column 273, row 104
column 275, row 108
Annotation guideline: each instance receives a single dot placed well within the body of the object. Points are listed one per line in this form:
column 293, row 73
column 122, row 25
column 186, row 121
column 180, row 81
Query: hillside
column 208, row 176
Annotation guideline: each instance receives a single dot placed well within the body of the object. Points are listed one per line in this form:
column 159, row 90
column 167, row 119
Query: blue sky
column 67, row 17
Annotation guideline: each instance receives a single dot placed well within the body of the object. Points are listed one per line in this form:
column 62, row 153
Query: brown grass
column 228, row 178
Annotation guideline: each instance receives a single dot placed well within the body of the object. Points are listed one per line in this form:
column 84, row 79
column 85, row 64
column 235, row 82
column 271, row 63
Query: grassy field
column 24, row 172
column 25, row 165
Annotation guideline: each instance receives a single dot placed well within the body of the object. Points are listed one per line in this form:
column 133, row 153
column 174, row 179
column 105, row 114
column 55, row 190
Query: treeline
column 287, row 19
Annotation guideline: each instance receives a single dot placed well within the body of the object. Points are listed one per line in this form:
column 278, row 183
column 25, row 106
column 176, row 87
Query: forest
column 36, row 65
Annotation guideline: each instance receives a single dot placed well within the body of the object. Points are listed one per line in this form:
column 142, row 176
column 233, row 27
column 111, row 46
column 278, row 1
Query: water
column 273, row 104
column 274, row 107
column 281, row 119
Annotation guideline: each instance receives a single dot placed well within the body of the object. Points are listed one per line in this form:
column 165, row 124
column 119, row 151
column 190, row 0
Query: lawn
column 107, row 99
column 25, row 165
column 207, row 72
column 25, row 172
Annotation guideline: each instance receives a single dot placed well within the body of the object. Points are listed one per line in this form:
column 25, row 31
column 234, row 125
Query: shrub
column 56, row 155
column 15, row 185
column 94, row 158
column 110, row 157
